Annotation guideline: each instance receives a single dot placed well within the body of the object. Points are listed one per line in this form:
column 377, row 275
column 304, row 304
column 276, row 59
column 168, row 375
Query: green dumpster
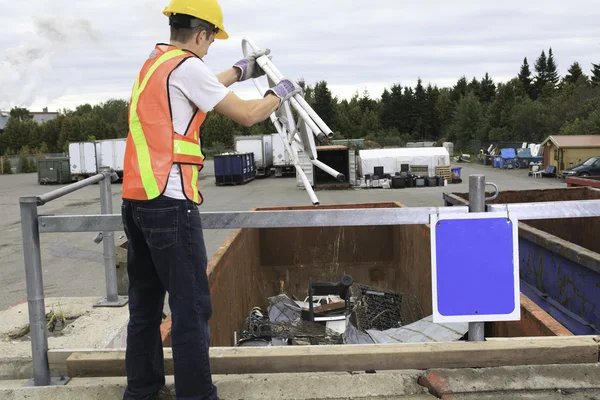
column 54, row 170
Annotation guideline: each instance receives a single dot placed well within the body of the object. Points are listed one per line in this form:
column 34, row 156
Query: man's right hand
column 285, row 89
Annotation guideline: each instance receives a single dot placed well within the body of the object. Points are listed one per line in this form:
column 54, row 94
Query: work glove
column 248, row 66
column 284, row 90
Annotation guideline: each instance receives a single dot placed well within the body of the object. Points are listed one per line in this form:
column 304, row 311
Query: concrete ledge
column 448, row 383
column 380, row 357
column 95, row 328
column 529, row 395
column 401, row 385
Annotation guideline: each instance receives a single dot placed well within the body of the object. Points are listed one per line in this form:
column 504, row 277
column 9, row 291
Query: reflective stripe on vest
column 195, row 183
column 187, row 152
column 137, row 133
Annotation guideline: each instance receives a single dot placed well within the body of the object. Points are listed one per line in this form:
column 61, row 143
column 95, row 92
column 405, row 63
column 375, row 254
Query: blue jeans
column 166, row 253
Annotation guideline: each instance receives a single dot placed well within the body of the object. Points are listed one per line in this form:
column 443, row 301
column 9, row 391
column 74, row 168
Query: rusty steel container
column 254, row 264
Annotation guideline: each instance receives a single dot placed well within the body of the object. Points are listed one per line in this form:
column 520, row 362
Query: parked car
column 590, row 167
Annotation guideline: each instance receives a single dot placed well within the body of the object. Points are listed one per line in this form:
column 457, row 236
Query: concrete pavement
column 73, row 264
column 565, row 382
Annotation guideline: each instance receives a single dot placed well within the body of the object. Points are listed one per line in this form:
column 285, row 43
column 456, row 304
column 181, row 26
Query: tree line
column 527, row 108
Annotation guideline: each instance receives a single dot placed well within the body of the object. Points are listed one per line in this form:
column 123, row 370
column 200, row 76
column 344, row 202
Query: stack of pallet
column 444, row 172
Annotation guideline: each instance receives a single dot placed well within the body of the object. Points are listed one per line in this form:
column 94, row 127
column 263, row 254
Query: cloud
column 66, row 53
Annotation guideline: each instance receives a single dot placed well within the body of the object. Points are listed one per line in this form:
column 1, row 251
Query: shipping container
column 111, row 153
column 283, row 162
column 262, row 148
column 54, row 170
column 82, row 159
column 234, row 169
column 559, row 258
column 340, row 158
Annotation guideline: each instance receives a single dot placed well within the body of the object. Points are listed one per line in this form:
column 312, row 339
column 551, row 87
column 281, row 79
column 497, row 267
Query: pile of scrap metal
column 344, row 312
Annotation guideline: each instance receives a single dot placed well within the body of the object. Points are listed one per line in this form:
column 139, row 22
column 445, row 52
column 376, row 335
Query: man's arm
column 229, row 76
column 250, row 112
column 247, row 112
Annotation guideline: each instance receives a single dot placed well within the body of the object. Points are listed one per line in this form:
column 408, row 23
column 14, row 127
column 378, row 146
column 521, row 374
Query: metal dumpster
column 254, row 264
column 54, row 170
column 559, row 258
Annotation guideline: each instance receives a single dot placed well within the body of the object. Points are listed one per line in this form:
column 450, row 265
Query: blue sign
column 475, row 267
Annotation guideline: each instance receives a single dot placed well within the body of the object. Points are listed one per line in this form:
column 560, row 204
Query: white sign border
column 515, row 315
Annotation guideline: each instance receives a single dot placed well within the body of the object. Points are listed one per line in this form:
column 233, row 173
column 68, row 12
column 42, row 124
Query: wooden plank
column 254, row 360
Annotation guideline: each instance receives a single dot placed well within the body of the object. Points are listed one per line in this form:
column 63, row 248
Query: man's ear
column 201, row 36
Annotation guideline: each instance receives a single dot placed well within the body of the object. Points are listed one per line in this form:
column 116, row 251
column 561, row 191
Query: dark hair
column 184, row 27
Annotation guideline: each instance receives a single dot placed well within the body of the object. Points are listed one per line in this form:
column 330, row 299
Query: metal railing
column 33, row 264
column 107, row 223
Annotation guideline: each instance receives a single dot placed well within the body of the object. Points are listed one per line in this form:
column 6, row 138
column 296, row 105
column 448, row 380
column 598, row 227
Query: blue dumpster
column 234, row 169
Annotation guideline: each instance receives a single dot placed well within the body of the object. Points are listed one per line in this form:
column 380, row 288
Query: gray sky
column 64, row 53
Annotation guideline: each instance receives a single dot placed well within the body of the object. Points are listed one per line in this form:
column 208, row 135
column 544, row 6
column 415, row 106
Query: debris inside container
column 344, row 312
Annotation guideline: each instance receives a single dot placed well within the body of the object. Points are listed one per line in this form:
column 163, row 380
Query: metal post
column 35, row 290
column 476, row 204
column 108, row 238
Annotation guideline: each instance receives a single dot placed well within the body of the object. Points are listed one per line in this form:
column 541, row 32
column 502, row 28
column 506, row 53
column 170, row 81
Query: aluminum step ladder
column 297, row 135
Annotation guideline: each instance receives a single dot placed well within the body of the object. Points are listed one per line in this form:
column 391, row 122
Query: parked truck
column 282, row 161
column 82, row 159
column 262, row 147
column 111, row 153
column 86, row 158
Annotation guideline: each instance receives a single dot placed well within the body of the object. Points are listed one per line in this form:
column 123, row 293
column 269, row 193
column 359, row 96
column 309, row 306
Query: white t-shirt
column 191, row 85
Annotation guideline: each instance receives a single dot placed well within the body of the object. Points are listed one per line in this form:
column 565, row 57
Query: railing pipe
column 108, row 239
column 35, row 290
column 55, row 194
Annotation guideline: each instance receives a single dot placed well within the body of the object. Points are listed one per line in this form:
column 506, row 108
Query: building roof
column 39, row 117
column 3, row 119
column 565, row 141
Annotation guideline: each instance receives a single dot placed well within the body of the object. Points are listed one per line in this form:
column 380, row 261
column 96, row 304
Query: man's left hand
column 248, row 67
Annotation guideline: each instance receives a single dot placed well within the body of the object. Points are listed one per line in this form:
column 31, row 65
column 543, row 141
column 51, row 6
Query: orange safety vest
column 152, row 145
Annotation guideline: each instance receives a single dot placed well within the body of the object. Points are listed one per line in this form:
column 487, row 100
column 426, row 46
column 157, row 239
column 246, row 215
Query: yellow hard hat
column 207, row 10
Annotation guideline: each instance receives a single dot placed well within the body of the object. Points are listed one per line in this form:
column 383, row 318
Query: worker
column 171, row 96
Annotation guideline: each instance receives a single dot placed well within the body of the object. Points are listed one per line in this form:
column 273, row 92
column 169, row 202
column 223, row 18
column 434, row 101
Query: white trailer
column 262, row 147
column 282, row 161
column 111, row 153
column 308, row 168
column 82, row 159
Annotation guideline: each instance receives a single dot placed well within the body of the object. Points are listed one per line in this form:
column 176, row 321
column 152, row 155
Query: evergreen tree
column 525, row 78
column 541, row 77
column 487, row 89
column 574, row 73
column 551, row 70
column 595, row 75
column 459, row 90
column 323, row 104
column 420, row 102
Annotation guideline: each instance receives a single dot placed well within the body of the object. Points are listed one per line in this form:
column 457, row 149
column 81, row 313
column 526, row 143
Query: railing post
column 35, row 290
column 108, row 238
column 476, row 204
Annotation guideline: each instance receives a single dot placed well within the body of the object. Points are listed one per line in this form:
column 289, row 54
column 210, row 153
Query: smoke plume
column 28, row 69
